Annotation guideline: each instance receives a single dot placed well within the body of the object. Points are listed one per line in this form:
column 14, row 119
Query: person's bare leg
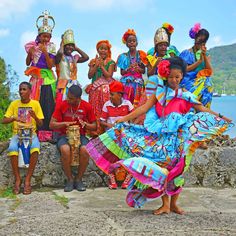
column 83, row 162
column 66, row 160
column 16, row 173
column 165, row 208
column 32, row 164
column 173, row 205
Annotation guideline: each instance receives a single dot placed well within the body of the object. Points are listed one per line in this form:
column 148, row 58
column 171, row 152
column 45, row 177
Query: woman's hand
column 226, row 119
column 203, row 49
column 31, row 51
column 43, row 48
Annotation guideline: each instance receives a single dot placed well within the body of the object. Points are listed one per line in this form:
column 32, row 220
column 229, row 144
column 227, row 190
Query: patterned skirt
column 200, row 84
column 156, row 159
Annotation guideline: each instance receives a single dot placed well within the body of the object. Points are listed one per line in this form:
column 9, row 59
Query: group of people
column 150, row 130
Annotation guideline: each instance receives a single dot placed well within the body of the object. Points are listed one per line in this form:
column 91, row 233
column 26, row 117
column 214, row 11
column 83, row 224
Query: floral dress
column 43, row 83
column 159, row 153
column 198, row 81
column 132, row 80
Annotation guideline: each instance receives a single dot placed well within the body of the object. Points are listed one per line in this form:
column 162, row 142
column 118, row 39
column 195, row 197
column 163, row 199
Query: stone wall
column 214, row 167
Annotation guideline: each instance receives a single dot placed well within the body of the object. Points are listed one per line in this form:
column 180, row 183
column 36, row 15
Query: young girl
column 158, row 153
column 40, row 59
column 101, row 70
column 154, row 57
column 132, row 66
column 66, row 64
column 156, row 54
column 197, row 79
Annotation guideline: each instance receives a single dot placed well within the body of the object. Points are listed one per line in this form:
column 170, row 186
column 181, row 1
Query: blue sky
column 93, row 20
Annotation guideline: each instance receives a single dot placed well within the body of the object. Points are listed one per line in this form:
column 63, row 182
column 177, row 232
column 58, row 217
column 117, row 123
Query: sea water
column 226, row 106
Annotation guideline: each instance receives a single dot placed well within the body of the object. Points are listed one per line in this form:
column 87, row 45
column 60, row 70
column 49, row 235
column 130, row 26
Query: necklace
column 74, row 113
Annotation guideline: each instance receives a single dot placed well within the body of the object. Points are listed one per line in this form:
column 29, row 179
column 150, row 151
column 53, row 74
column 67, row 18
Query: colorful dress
column 151, row 84
column 132, row 80
column 99, row 91
column 43, row 81
column 159, row 153
column 198, row 81
column 67, row 76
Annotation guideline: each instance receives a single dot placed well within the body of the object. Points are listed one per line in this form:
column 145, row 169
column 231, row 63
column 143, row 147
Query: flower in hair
column 194, row 30
column 127, row 34
column 164, row 69
column 168, row 27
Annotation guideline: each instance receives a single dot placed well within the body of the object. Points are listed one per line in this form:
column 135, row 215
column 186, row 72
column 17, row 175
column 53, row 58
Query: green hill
column 223, row 60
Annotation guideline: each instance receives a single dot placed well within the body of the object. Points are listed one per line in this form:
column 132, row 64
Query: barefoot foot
column 162, row 210
column 177, row 210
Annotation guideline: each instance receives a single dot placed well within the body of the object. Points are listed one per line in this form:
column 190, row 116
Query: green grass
column 7, row 193
column 61, row 199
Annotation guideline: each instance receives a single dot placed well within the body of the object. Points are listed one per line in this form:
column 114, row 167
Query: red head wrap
column 127, row 34
column 108, row 45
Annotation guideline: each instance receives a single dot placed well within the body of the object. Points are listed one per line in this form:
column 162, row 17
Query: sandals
column 16, row 189
column 27, row 189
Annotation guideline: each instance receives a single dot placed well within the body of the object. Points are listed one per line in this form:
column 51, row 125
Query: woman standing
column 101, row 70
column 197, row 79
column 132, row 66
column 156, row 54
column 66, row 63
column 40, row 59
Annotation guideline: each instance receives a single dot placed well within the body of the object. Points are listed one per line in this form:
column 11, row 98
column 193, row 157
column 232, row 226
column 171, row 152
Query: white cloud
column 216, row 41
column 26, row 37
column 4, row 32
column 10, row 8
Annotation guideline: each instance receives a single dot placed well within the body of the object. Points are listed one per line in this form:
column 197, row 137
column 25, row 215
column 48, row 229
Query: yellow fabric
column 12, row 153
column 16, row 153
column 152, row 59
column 12, row 111
column 35, row 150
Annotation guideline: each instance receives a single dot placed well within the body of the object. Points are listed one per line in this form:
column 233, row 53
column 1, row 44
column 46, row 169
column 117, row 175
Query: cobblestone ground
column 104, row 212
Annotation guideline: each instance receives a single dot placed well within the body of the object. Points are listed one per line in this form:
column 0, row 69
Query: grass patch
column 45, row 189
column 7, row 193
column 62, row 200
column 13, row 220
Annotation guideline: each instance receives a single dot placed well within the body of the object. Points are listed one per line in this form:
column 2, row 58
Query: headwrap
column 108, row 46
column 173, row 49
column 127, row 34
column 194, row 30
column 166, row 65
column 116, row 86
